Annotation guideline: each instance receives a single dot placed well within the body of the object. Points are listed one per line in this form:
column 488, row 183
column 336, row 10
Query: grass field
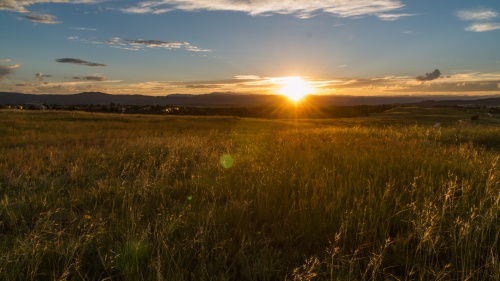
column 119, row 197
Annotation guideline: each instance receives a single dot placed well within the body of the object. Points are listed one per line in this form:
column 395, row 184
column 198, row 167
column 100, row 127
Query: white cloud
column 247, row 77
column 482, row 27
column 393, row 17
column 482, row 16
column 84, row 28
column 139, row 44
column 20, row 5
column 477, row 14
column 299, row 8
column 469, row 76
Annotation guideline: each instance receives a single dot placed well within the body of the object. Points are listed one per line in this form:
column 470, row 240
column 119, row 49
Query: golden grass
column 100, row 197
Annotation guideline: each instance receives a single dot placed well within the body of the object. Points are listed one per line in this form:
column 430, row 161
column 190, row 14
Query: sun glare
column 295, row 88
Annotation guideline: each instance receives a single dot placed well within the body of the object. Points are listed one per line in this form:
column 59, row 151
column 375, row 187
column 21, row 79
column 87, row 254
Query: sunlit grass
column 90, row 196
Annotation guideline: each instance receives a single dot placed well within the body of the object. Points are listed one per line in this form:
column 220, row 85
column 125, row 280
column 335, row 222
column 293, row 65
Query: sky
column 161, row 47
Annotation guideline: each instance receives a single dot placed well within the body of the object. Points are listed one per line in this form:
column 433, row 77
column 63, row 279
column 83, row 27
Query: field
column 127, row 197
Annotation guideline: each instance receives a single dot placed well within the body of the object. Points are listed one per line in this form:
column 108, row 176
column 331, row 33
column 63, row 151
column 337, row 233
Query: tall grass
column 111, row 197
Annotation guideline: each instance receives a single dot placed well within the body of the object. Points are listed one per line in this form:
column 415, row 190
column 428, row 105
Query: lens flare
column 295, row 88
column 226, row 161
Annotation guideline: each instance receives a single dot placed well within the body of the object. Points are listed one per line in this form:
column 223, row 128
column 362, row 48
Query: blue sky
column 161, row 47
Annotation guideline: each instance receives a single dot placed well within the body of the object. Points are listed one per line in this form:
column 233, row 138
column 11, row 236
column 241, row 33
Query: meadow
column 89, row 196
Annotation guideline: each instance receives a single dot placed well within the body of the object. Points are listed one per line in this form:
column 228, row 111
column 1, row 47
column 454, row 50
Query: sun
column 295, row 88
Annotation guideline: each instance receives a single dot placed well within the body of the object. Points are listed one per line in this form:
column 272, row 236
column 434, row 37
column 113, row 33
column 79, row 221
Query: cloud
column 470, row 86
column 429, row 76
column 477, row 14
column 84, row 28
column 78, row 61
column 482, row 27
column 202, row 86
column 5, row 60
column 24, row 85
column 41, row 18
column 93, row 77
column 298, row 8
column 247, row 77
column 461, row 81
column 132, row 44
column 354, row 83
column 20, row 5
column 13, row 5
column 7, row 70
column 481, row 16
column 40, row 76
column 393, row 17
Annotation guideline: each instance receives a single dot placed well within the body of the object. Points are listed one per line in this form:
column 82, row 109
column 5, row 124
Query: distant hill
column 229, row 99
column 213, row 99
column 475, row 102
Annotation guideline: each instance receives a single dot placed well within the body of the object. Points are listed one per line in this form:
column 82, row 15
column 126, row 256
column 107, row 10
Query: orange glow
column 295, row 88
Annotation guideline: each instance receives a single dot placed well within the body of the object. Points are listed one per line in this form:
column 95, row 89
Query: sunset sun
column 295, row 88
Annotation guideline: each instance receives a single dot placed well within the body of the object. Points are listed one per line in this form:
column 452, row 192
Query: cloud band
column 78, row 61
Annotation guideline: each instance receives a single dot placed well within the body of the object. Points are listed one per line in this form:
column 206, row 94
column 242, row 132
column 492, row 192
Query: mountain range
column 230, row 99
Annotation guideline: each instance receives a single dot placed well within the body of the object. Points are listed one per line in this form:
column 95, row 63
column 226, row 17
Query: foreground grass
column 93, row 197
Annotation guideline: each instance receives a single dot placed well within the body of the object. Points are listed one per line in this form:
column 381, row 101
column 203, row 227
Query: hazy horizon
column 354, row 48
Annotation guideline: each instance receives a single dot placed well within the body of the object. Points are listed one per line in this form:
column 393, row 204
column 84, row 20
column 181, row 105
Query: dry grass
column 111, row 197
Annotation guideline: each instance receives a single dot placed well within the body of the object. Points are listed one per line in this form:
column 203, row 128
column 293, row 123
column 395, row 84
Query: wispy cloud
column 93, row 77
column 477, row 14
column 247, row 77
column 41, row 18
column 79, row 61
column 7, row 70
column 20, row 5
column 358, row 83
column 84, row 28
column 393, row 17
column 194, row 86
column 140, row 44
column 40, row 76
column 482, row 27
column 299, row 8
column 4, row 60
column 472, row 83
column 483, row 18
column 452, row 87
column 24, row 85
